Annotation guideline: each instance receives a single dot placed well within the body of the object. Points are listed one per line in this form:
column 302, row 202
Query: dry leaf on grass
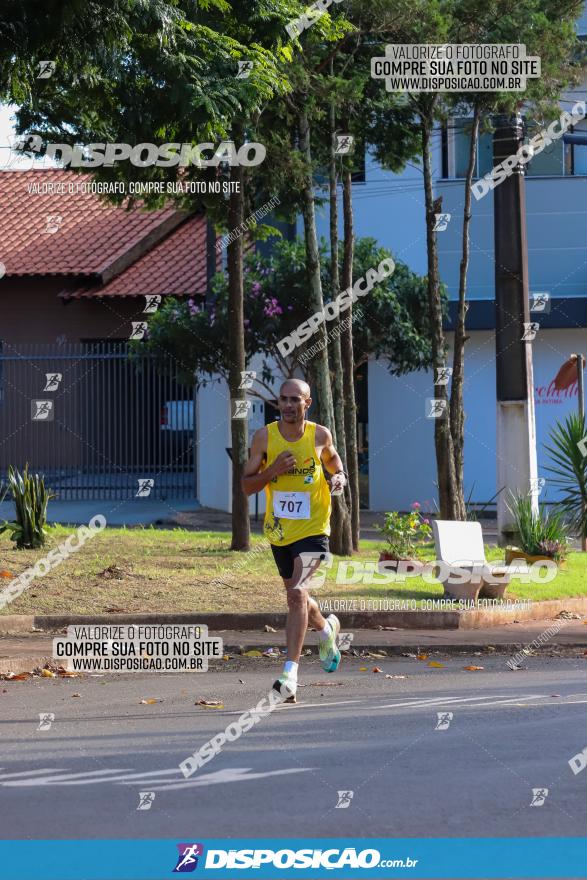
column 5, row 574
column 473, row 668
column 210, row 704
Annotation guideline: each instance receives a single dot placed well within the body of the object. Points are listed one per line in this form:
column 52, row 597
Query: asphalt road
column 510, row 733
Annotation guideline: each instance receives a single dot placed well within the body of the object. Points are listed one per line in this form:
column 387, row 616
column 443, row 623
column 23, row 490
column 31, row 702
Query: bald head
column 294, row 401
column 295, row 386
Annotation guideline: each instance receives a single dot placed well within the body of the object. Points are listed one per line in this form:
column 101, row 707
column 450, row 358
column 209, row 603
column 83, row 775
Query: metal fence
column 97, row 420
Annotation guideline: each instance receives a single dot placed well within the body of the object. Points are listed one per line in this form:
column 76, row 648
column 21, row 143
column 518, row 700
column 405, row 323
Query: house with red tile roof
column 94, row 417
column 77, row 268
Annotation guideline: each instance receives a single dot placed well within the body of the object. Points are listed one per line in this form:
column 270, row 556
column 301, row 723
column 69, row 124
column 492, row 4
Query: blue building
column 390, row 207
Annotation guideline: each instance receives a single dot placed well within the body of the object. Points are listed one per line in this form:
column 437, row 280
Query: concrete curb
column 349, row 617
column 23, row 664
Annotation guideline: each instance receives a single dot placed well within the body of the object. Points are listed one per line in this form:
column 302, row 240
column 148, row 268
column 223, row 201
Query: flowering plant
column 403, row 531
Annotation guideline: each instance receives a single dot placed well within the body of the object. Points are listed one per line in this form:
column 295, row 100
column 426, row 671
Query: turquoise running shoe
column 286, row 686
column 328, row 650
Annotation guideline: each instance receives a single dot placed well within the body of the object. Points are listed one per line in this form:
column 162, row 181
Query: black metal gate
column 98, row 420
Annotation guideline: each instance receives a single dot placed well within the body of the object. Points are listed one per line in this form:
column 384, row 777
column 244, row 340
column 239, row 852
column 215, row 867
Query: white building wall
column 214, row 464
column 213, row 433
column 402, row 464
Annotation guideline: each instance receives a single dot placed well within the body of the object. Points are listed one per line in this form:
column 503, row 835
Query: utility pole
column 516, row 426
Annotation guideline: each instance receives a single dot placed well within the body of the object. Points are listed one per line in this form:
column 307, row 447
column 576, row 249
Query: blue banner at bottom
column 276, row 858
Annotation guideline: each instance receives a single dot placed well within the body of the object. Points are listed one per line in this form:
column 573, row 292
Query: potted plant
column 402, row 533
column 542, row 536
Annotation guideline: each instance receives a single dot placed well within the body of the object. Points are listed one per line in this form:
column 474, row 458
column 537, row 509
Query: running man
column 286, row 460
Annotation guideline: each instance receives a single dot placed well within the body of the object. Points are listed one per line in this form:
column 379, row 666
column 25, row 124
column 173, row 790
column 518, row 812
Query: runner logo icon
column 188, row 857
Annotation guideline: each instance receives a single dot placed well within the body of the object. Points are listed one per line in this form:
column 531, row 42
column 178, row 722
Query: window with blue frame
column 579, row 151
column 555, row 160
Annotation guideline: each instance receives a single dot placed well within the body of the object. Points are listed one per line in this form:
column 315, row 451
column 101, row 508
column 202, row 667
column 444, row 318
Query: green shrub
column 540, row 534
column 569, row 470
column 403, row 531
column 31, row 499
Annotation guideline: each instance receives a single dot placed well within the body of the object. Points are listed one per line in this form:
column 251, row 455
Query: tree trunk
column 324, row 402
column 236, row 348
column 457, row 412
column 449, row 508
column 333, row 326
column 348, row 367
column 341, row 519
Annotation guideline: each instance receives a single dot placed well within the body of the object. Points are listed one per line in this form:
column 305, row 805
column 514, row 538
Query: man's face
column 293, row 404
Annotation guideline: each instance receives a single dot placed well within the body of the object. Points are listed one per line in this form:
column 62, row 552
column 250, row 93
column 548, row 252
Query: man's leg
column 315, row 618
column 302, row 609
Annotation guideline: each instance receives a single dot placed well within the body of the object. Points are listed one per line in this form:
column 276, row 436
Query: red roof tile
column 175, row 267
column 91, row 235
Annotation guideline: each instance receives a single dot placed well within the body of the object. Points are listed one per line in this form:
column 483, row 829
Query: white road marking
column 442, row 701
column 229, row 774
column 303, row 705
column 40, row 772
column 124, row 777
column 86, row 777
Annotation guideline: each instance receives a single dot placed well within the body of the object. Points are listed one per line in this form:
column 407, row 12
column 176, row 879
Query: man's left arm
column 332, row 462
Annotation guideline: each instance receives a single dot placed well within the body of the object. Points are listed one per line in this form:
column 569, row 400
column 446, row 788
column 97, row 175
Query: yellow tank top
column 298, row 502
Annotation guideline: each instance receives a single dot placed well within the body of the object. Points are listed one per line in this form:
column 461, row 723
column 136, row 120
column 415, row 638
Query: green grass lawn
column 156, row 570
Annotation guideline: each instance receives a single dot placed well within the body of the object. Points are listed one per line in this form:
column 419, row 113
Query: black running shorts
column 284, row 556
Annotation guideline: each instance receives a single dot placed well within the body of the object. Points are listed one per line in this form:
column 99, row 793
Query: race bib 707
column 291, row 505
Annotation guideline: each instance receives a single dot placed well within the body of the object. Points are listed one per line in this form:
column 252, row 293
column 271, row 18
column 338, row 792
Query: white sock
column 291, row 667
column 325, row 633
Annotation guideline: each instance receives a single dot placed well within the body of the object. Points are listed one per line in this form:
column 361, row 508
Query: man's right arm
column 253, row 481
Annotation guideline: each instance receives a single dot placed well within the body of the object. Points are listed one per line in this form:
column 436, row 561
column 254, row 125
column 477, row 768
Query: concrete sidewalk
column 24, row 652
column 118, row 513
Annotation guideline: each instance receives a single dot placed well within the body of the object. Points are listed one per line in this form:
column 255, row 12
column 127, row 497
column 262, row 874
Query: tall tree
column 176, row 75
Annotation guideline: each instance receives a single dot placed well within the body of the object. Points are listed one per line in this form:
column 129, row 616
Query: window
column 549, row 162
column 579, row 151
column 555, row 160
column 461, row 135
